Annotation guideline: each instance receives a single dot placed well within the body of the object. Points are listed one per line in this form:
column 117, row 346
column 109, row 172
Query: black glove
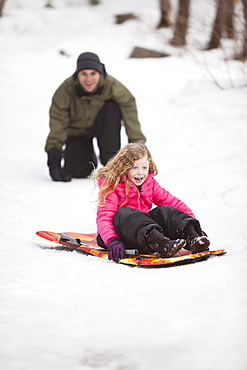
column 54, row 162
column 116, row 250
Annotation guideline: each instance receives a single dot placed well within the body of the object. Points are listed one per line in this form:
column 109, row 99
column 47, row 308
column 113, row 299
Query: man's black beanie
column 89, row 61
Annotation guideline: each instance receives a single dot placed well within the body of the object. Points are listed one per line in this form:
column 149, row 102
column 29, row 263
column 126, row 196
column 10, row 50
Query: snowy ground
column 62, row 310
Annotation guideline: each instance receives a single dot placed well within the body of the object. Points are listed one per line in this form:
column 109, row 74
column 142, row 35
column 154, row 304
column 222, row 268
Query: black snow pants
column 132, row 225
column 79, row 156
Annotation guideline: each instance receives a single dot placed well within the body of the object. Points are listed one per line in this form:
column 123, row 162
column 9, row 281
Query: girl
column 127, row 193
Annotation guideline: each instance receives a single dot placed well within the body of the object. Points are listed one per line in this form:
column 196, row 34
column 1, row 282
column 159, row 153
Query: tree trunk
column 228, row 18
column 244, row 53
column 216, row 31
column 165, row 7
column 2, row 2
column 223, row 23
column 181, row 26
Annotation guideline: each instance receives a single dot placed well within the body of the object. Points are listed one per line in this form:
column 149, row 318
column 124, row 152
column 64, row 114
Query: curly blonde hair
column 118, row 166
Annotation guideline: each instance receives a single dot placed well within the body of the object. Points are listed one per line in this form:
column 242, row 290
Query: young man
column 88, row 104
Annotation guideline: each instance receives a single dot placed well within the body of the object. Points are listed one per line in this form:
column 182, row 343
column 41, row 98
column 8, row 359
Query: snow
column 62, row 310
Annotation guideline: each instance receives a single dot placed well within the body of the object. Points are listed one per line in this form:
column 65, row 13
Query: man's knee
column 112, row 106
column 79, row 157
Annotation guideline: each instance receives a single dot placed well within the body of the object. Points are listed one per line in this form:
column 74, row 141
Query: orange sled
column 87, row 244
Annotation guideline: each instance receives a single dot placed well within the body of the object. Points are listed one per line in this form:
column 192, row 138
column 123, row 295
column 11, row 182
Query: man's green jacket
column 72, row 112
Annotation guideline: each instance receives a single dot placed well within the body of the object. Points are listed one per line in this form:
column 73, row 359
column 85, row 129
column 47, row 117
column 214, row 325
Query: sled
column 87, row 244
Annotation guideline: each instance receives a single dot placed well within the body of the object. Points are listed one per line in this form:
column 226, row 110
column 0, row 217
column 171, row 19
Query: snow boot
column 195, row 242
column 163, row 246
column 198, row 244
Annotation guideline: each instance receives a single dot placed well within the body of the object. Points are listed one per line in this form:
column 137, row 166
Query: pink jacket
column 151, row 193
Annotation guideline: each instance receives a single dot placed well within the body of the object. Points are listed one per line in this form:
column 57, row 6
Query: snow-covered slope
column 62, row 310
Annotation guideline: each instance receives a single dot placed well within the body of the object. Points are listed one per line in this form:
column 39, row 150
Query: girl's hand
column 116, row 250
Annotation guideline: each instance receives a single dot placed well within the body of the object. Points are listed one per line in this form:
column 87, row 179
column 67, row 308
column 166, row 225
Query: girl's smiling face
column 139, row 172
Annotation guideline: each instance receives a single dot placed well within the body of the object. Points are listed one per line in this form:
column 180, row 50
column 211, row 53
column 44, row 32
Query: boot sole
column 172, row 253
